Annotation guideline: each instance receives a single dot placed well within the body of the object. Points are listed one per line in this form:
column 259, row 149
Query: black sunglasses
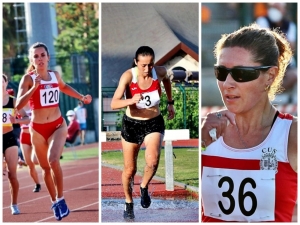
column 240, row 73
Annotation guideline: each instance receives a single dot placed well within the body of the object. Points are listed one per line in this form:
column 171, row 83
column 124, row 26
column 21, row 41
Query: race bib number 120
column 49, row 96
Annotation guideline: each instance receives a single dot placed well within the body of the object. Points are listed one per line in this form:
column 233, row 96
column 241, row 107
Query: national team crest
column 268, row 160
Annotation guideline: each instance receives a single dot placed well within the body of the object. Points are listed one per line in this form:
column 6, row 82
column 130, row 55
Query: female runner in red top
column 48, row 128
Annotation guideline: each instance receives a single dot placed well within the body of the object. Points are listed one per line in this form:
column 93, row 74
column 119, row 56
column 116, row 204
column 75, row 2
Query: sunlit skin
column 152, row 141
column 40, row 60
column 48, row 152
column 251, row 135
column 48, row 155
column 246, row 100
column 145, row 65
column 244, row 97
column 253, row 112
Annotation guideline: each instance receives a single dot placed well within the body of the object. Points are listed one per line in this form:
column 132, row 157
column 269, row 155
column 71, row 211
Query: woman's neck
column 256, row 119
column 5, row 96
column 43, row 73
column 4, row 93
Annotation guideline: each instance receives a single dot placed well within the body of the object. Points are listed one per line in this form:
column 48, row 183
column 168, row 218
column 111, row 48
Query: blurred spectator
column 81, row 115
column 205, row 14
column 260, row 9
column 277, row 18
column 73, row 127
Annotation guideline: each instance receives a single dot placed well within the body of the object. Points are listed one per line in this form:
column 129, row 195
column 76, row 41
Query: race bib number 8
column 5, row 116
column 238, row 195
column 149, row 99
column 49, row 96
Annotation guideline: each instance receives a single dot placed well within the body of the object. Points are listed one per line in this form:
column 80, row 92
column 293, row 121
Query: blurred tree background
column 76, row 23
column 78, row 33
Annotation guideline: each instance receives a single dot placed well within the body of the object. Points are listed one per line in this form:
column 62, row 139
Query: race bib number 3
column 5, row 116
column 238, row 195
column 149, row 99
column 49, row 96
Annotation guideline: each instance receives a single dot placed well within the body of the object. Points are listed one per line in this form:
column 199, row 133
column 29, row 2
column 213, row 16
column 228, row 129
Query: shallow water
column 159, row 211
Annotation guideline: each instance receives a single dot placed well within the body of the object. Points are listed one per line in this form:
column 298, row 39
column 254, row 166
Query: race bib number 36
column 49, row 96
column 5, row 116
column 238, row 195
column 149, row 99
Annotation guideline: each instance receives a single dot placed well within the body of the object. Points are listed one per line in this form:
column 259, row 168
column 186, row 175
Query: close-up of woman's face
column 39, row 57
column 144, row 64
column 240, row 96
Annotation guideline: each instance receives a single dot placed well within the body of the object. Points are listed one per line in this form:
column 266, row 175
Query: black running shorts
column 134, row 131
column 9, row 140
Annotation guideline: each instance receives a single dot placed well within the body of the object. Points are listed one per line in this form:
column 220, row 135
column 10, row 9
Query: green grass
column 186, row 164
column 81, row 154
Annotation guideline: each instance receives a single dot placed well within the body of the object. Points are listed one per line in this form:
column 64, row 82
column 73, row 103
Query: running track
column 81, row 191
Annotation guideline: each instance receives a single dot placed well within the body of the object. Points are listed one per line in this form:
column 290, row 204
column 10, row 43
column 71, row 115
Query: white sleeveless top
column 243, row 184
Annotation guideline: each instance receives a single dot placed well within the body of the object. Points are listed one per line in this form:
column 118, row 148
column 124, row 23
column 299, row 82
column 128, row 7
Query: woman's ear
column 272, row 73
column 135, row 62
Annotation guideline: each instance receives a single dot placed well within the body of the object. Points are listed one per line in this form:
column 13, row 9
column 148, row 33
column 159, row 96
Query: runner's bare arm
column 117, row 101
column 26, row 90
column 166, row 82
column 293, row 145
column 68, row 90
column 24, row 120
column 163, row 74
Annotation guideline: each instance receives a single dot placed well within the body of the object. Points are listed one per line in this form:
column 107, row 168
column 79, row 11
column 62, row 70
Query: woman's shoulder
column 128, row 72
column 127, row 76
column 293, row 137
column 54, row 72
column 293, row 120
column 294, row 123
column 28, row 76
column 293, row 144
column 57, row 75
